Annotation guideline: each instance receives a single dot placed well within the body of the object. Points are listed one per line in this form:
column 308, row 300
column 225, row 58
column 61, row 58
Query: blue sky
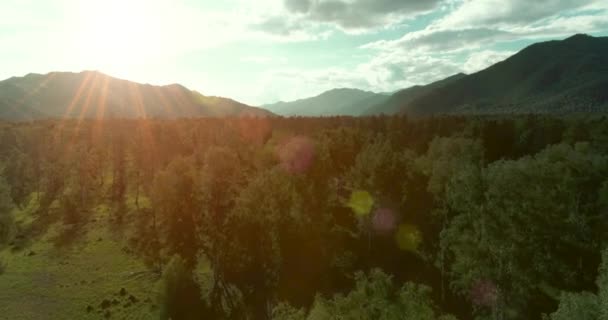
column 263, row 51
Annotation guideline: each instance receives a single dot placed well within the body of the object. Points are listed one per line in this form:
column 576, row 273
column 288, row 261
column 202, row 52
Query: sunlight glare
column 115, row 35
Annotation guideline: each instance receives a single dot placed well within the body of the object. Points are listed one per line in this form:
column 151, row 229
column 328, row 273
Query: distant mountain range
column 400, row 100
column 91, row 94
column 345, row 101
column 567, row 76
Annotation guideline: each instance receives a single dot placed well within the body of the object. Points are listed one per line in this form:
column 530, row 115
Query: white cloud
column 286, row 28
column 433, row 40
column 360, row 14
column 396, row 70
column 504, row 13
column 480, row 24
column 562, row 26
column 302, row 19
column 478, row 61
column 384, row 73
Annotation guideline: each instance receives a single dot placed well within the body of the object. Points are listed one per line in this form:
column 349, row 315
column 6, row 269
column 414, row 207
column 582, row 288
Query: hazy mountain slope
column 342, row 101
column 402, row 98
column 360, row 108
column 91, row 94
column 550, row 77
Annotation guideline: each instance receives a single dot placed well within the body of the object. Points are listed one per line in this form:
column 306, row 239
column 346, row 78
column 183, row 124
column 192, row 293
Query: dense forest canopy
column 324, row 218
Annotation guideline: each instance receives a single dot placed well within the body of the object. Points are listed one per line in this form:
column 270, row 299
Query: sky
column 264, row 51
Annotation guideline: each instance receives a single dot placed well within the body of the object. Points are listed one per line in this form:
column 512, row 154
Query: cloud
column 442, row 40
column 384, row 73
column 287, row 29
column 463, row 35
column 395, row 70
column 355, row 14
column 298, row 6
column 483, row 23
column 350, row 16
column 504, row 13
column 561, row 26
column 478, row 61
column 464, row 39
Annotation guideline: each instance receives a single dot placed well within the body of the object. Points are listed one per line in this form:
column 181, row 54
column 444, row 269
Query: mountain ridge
column 93, row 94
column 337, row 101
column 395, row 102
column 557, row 76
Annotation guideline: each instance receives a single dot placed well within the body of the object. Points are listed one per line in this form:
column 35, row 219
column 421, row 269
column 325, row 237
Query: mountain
column 342, row 101
column 402, row 98
column 91, row 94
column 567, row 76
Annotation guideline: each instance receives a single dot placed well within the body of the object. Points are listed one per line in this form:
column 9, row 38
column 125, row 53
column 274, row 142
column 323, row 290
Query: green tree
column 259, row 224
column 586, row 305
column 175, row 208
column 180, row 294
column 18, row 172
column 449, row 159
column 525, row 226
column 375, row 296
column 119, row 172
column 221, row 178
column 6, row 205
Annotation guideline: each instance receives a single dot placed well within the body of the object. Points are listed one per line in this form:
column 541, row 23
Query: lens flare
column 297, row 155
column 408, row 237
column 484, row 293
column 361, row 202
column 384, row 221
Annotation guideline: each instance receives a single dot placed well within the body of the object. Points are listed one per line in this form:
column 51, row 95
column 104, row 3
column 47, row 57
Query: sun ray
column 101, row 108
column 71, row 105
column 91, row 90
column 137, row 100
column 21, row 102
column 179, row 99
column 163, row 99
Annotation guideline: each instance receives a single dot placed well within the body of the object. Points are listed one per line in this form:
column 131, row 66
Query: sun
column 115, row 35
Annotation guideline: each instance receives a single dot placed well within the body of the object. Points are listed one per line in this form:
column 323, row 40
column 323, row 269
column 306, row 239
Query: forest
column 380, row 217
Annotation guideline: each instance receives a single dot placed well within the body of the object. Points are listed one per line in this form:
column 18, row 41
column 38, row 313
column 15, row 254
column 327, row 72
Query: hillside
column 342, row 101
column 402, row 98
column 91, row 94
column 564, row 76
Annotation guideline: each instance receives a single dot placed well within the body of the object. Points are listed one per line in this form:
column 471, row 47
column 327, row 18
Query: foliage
column 374, row 297
column 6, row 205
column 586, row 305
column 179, row 296
column 543, row 204
column 495, row 215
column 174, row 201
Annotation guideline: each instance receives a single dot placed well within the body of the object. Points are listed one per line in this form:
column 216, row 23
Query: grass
column 68, row 273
